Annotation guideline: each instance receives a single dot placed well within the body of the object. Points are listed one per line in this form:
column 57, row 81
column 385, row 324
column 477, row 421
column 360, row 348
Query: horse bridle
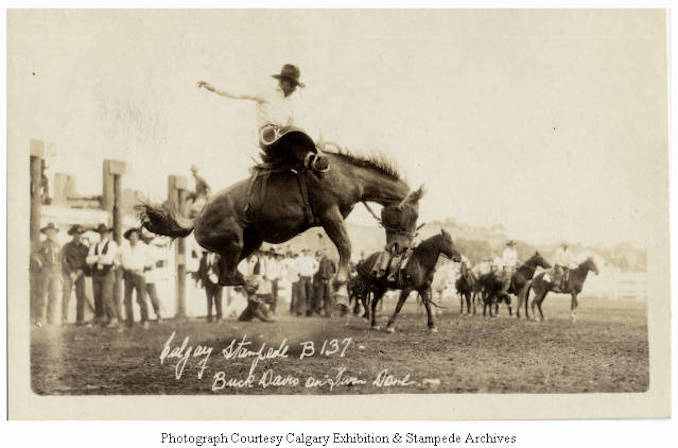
column 393, row 229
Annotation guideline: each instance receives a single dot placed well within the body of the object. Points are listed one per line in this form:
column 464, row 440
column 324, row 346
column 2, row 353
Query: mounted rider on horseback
column 281, row 141
column 563, row 262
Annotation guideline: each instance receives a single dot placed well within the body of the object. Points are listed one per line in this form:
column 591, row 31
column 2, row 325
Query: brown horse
column 229, row 225
column 523, row 275
column 543, row 283
column 416, row 276
column 466, row 286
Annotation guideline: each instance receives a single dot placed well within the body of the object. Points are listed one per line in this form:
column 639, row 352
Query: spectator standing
column 134, row 259
column 208, row 273
column 321, row 284
column 152, row 271
column 73, row 267
column 47, row 262
column 308, row 266
column 101, row 258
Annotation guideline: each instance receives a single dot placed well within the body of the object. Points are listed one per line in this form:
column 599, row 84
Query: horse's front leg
column 401, row 301
column 333, row 223
column 373, row 312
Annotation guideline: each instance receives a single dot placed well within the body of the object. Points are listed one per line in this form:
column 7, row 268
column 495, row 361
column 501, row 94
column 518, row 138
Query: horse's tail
column 164, row 221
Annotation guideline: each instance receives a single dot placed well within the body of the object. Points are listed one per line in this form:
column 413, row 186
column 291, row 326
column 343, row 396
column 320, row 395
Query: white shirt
column 152, row 257
column 564, row 257
column 291, row 269
column 276, row 109
column 272, row 268
column 510, row 257
column 102, row 259
column 134, row 258
column 307, row 266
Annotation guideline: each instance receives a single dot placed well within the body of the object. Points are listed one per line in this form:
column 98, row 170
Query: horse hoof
column 390, row 330
column 433, row 330
column 376, row 327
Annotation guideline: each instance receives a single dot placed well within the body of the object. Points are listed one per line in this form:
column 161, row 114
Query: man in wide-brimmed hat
column 101, row 258
column 133, row 261
column 279, row 137
column 73, row 266
column 47, row 266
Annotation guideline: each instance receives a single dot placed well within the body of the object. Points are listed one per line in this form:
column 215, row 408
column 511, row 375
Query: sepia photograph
column 457, row 213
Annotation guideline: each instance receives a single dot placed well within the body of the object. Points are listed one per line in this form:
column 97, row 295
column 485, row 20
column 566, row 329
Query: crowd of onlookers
column 300, row 281
column 136, row 262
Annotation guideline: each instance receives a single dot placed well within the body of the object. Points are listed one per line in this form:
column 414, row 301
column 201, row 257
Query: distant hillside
column 474, row 242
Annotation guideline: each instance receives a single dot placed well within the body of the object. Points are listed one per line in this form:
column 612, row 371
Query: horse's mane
column 375, row 160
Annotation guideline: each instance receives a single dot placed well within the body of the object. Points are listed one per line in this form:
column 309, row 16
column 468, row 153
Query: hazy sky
column 552, row 123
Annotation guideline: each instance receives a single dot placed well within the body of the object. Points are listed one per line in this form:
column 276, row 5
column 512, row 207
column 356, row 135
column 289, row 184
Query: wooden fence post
column 177, row 190
column 37, row 153
column 113, row 171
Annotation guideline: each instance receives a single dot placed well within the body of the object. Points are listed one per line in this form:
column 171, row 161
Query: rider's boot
column 317, row 163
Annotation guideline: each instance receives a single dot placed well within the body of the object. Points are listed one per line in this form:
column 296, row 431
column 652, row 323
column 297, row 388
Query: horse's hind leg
column 426, row 296
column 401, row 300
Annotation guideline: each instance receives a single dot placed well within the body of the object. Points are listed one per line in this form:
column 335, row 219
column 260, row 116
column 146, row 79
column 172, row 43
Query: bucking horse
column 274, row 206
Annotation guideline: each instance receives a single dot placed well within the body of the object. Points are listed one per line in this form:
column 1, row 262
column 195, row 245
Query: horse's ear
column 418, row 194
column 413, row 197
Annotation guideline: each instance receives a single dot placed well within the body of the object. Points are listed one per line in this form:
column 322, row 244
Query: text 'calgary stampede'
column 244, row 349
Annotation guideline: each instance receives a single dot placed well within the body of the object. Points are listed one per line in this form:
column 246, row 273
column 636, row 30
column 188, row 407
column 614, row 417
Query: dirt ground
column 605, row 351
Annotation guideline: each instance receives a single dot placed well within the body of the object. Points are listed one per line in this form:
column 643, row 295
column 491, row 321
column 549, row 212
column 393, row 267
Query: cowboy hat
column 128, row 232
column 49, row 226
column 103, row 228
column 291, row 73
column 511, row 243
column 76, row 229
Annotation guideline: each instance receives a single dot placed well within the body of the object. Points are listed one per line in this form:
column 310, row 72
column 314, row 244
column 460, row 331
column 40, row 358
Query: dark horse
column 543, row 283
column 359, row 294
column 231, row 227
column 492, row 292
column 466, row 286
column 416, row 276
column 523, row 275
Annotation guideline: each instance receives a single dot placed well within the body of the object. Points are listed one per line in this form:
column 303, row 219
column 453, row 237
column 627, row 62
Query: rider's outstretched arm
column 231, row 95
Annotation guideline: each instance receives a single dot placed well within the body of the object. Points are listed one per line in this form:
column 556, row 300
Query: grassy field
column 605, row 351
